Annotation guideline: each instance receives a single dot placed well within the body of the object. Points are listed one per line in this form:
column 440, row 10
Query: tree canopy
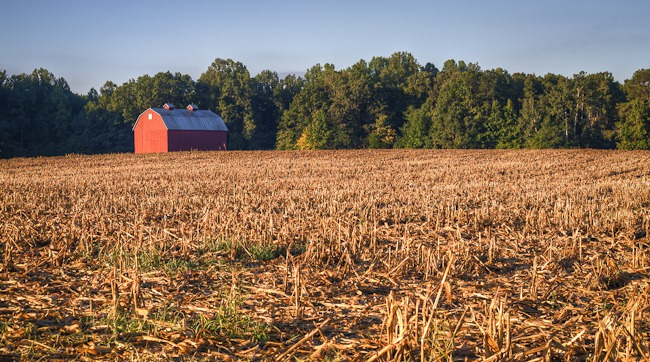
column 383, row 103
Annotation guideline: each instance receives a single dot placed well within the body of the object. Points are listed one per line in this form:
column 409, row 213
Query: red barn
column 168, row 129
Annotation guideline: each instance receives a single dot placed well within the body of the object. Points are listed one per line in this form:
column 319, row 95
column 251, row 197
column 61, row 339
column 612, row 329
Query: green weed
column 229, row 321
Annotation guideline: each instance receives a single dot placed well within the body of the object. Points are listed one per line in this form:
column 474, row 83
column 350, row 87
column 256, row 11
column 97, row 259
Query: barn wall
column 197, row 140
column 150, row 135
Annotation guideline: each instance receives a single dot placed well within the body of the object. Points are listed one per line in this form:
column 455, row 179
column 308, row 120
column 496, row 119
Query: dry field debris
column 335, row 255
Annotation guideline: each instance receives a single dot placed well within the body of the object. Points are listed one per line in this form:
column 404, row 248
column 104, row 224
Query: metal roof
column 185, row 120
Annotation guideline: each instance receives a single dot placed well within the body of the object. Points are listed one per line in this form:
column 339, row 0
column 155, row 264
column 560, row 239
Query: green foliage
column 248, row 251
column 456, row 117
column 382, row 135
column 396, row 84
column 230, row 322
column 264, row 252
column 638, row 87
column 318, row 135
column 387, row 102
column 37, row 114
column 266, row 110
column 593, row 112
column 415, row 132
column 633, row 130
column 549, row 135
column 471, row 108
column 310, row 99
column 227, row 87
column 501, row 129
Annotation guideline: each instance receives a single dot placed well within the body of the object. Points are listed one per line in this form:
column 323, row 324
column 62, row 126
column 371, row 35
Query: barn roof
column 186, row 120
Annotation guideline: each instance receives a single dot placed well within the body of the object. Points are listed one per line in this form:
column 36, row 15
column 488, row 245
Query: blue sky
column 90, row 42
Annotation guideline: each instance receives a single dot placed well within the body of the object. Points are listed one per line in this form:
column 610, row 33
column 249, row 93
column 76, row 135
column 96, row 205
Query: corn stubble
column 333, row 255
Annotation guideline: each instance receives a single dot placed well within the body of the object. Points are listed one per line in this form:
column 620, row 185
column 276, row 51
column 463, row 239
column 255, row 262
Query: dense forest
column 389, row 102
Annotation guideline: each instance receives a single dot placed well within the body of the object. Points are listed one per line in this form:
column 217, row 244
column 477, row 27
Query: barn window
column 150, row 116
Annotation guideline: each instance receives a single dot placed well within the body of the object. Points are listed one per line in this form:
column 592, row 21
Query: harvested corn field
column 333, row 255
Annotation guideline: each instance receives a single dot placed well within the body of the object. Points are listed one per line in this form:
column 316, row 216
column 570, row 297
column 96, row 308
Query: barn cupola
column 168, row 107
column 192, row 107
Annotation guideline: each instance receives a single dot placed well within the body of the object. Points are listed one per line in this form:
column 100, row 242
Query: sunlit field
column 327, row 255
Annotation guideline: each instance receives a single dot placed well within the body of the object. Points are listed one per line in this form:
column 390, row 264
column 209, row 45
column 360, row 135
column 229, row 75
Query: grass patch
column 264, row 252
column 230, row 322
column 246, row 251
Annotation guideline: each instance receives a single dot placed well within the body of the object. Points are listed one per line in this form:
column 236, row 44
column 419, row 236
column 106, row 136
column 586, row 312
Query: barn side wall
column 150, row 135
column 197, row 140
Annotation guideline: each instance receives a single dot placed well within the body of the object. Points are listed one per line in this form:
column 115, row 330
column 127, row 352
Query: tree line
column 388, row 102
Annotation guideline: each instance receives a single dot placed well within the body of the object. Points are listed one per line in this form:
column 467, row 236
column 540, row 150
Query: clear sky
column 90, row 42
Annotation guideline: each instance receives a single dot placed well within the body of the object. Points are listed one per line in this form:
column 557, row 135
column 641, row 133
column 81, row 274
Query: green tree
column 509, row 134
column 104, row 127
column 531, row 111
column 415, row 132
column 124, row 101
column 501, row 130
column 382, row 135
column 286, row 91
column 545, row 117
column 6, row 128
column 38, row 114
column 311, row 98
column 596, row 96
column 350, row 103
column 317, row 135
column 458, row 116
column 638, row 87
column 396, row 85
column 633, row 130
column 266, row 112
column 227, row 88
